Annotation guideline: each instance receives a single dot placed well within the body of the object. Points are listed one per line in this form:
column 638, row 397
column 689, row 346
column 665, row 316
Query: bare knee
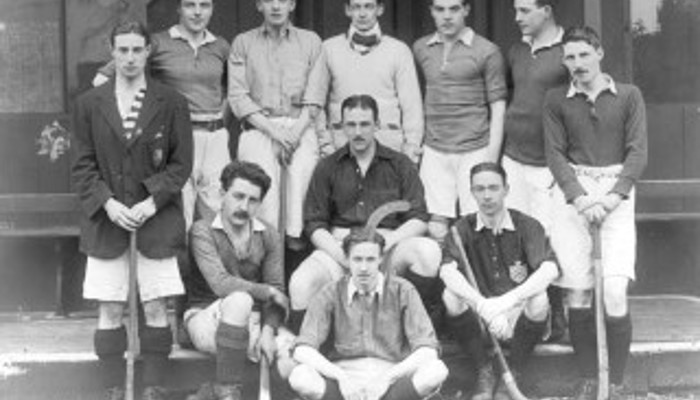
column 537, row 307
column 615, row 299
column 156, row 313
column 577, row 298
column 307, row 382
column 429, row 377
column 454, row 305
column 236, row 308
column 110, row 315
column 437, row 227
column 306, row 281
column 419, row 254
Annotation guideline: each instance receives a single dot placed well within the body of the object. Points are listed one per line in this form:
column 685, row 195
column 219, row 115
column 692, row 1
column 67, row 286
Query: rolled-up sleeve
column 495, row 76
column 317, row 321
column 239, row 92
column 635, row 144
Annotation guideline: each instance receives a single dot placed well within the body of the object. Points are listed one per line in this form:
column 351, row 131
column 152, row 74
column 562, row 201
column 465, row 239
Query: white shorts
column 202, row 323
column 530, row 190
column 108, row 279
column 571, row 238
column 445, row 177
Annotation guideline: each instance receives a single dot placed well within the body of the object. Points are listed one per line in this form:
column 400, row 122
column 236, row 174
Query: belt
column 211, row 126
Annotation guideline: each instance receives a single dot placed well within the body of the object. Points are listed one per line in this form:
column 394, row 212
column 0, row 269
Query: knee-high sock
column 583, row 339
column 465, row 328
column 402, row 389
column 156, row 343
column 430, row 292
column 110, row 345
column 526, row 335
column 619, row 334
column 332, row 390
column 231, row 350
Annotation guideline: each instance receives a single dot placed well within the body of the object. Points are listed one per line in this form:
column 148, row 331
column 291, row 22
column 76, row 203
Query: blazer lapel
column 110, row 110
column 151, row 106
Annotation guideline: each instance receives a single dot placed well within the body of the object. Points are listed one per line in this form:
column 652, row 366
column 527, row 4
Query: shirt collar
column 381, row 151
column 554, row 42
column 466, row 37
column 506, row 223
column 175, row 33
column 574, row 90
column 376, row 30
column 286, row 30
column 378, row 289
column 218, row 223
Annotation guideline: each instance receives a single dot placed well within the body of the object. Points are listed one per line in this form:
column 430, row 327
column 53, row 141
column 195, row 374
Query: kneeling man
column 239, row 282
column 385, row 345
column 513, row 265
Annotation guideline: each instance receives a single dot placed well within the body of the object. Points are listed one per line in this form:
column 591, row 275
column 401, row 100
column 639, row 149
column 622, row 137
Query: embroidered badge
column 518, row 272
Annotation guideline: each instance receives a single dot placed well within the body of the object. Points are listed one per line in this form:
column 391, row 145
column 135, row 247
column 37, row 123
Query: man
column 511, row 259
column 346, row 188
column 268, row 74
column 397, row 357
column 133, row 154
column 365, row 60
column 240, row 275
column 192, row 60
column 596, row 143
column 534, row 67
column 464, row 108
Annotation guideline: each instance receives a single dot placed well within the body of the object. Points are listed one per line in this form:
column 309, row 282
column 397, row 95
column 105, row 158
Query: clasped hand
column 132, row 218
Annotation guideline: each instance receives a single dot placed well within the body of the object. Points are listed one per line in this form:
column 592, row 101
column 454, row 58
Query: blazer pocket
column 156, row 150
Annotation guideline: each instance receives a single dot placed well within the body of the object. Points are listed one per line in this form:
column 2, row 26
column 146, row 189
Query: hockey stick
column 133, row 333
column 264, row 391
column 384, row 211
column 600, row 331
column 506, row 373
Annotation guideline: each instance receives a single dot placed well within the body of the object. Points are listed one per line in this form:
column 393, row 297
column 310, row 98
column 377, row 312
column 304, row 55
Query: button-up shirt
column 459, row 86
column 221, row 269
column 269, row 74
column 198, row 72
column 610, row 129
column 340, row 196
column 501, row 257
column 391, row 327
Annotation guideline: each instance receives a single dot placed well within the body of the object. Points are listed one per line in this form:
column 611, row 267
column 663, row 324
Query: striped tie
column 132, row 116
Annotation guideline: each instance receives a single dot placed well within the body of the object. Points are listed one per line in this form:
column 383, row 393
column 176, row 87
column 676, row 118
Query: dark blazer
column 156, row 162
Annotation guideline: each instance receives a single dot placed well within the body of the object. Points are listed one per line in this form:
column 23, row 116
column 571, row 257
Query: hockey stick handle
column 600, row 329
column 133, row 332
column 506, row 373
column 264, row 390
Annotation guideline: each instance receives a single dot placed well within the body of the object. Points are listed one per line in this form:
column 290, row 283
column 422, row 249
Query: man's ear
column 380, row 9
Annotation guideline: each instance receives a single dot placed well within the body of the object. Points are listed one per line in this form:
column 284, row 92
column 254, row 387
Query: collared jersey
column 608, row 130
column 500, row 261
column 391, row 327
column 340, row 196
column 459, row 86
column 269, row 74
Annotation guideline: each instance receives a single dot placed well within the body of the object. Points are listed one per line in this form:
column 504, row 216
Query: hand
column 493, row 154
column 266, row 345
column 326, row 149
column 350, row 390
column 121, row 215
column 144, row 210
column 499, row 327
column 99, row 79
column 491, row 308
column 610, row 201
column 412, row 151
column 279, row 298
column 583, row 202
column 376, row 389
column 595, row 214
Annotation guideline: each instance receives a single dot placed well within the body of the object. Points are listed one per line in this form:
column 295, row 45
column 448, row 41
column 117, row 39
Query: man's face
column 364, row 260
column 130, row 53
column 489, row 191
column 195, row 14
column 530, row 17
column 359, row 127
column 364, row 13
column 449, row 16
column 583, row 61
column 241, row 201
column 276, row 12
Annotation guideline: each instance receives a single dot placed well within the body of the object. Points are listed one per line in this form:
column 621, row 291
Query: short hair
column 464, row 3
column 584, row 34
column 488, row 166
column 130, row 26
column 551, row 3
column 361, row 101
column 249, row 171
column 379, row 2
column 358, row 236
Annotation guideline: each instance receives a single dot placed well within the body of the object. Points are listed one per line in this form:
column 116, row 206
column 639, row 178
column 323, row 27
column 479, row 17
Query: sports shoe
column 485, row 381
column 154, row 393
column 115, row 393
column 586, row 390
column 227, row 392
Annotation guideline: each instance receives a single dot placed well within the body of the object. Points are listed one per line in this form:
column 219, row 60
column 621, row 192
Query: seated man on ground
column 385, row 345
column 346, row 188
column 513, row 265
column 239, row 282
